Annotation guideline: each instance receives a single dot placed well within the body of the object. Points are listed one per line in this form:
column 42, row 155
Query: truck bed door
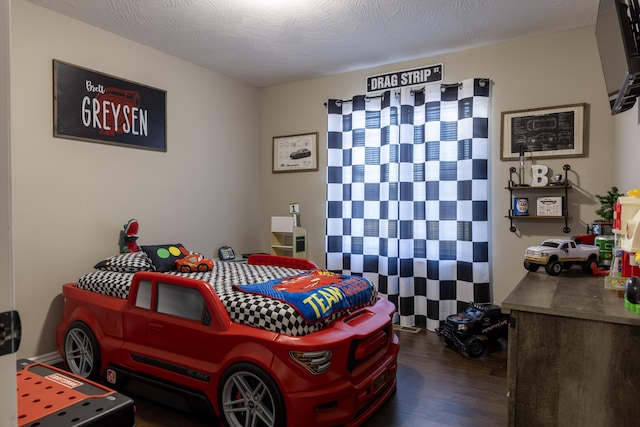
column 182, row 341
column 136, row 323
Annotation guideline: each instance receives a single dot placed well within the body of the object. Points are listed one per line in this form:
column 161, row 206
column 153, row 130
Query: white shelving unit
column 287, row 239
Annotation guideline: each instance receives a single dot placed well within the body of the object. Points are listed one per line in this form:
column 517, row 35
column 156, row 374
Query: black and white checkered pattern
column 244, row 308
column 407, row 196
column 112, row 283
column 129, row 262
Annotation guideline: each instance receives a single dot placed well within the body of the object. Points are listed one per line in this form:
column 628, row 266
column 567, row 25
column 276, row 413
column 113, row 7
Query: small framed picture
column 295, row 153
column 543, row 132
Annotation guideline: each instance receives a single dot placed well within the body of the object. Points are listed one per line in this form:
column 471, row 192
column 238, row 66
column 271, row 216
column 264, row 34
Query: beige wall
column 71, row 198
column 558, row 69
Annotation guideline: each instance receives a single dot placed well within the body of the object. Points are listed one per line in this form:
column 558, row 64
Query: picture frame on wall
column 295, row 153
column 549, row 132
column 96, row 107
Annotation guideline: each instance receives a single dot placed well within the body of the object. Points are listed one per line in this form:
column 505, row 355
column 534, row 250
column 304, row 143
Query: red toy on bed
column 128, row 237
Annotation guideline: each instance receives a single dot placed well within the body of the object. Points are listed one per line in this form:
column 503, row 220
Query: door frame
column 8, row 404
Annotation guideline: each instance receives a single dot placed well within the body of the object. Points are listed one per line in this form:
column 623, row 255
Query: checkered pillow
column 130, row 262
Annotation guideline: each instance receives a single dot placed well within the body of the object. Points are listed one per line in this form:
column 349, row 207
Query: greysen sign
column 416, row 76
column 96, row 107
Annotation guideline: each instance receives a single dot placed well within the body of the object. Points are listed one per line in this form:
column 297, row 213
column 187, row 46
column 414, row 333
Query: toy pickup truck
column 558, row 254
column 173, row 338
column 470, row 329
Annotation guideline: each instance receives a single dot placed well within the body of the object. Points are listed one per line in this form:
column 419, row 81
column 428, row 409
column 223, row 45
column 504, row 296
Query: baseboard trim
column 52, row 358
column 412, row 329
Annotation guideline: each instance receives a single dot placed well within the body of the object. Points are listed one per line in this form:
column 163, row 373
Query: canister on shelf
column 520, row 206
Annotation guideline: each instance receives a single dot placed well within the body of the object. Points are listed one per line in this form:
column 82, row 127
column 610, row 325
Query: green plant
column 606, row 204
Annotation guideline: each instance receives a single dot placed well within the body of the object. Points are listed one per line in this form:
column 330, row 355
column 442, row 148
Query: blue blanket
column 315, row 294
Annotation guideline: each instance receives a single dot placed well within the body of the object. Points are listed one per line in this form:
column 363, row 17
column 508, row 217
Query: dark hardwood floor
column 436, row 387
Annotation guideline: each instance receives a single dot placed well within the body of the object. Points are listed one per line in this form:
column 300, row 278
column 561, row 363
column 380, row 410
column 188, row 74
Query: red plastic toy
column 173, row 335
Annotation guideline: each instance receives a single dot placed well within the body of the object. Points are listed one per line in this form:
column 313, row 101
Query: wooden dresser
column 574, row 353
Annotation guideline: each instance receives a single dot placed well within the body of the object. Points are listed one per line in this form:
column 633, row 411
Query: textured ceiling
column 267, row 42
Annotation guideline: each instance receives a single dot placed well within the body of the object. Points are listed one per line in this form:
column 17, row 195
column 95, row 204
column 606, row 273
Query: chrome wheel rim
column 79, row 352
column 247, row 401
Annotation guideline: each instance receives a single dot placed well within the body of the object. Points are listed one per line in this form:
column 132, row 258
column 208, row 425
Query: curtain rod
column 443, row 87
column 366, row 99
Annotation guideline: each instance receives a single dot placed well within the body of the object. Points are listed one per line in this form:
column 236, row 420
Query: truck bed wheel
column 249, row 397
column 553, row 268
column 474, row 346
column 530, row 266
column 586, row 266
column 81, row 351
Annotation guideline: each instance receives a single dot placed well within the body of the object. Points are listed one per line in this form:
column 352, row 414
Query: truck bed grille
column 364, row 349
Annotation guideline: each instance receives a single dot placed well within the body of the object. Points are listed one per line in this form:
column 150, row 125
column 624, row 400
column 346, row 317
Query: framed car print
column 550, row 132
column 295, row 153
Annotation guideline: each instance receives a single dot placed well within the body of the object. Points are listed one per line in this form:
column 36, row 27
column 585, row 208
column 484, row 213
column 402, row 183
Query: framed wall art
column 543, row 132
column 96, row 107
column 295, row 153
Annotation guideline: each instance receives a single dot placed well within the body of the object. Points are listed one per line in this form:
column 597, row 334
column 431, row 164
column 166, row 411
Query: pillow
column 130, row 262
column 163, row 257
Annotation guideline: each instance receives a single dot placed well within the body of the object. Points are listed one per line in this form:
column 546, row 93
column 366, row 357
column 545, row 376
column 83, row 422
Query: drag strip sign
column 416, row 76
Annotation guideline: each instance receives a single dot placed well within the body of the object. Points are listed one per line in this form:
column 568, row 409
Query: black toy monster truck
column 470, row 329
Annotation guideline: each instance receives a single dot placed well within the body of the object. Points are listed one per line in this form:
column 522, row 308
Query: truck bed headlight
column 315, row 362
column 462, row 327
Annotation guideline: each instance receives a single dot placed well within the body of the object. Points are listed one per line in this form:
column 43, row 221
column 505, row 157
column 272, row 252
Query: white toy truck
column 558, row 254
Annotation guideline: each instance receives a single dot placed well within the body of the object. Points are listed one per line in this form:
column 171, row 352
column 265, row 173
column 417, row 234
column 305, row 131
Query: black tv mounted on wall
column 618, row 38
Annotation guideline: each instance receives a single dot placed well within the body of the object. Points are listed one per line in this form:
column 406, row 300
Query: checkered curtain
column 407, row 196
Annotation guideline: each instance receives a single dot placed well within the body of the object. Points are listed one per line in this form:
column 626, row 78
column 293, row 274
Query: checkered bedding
column 248, row 309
